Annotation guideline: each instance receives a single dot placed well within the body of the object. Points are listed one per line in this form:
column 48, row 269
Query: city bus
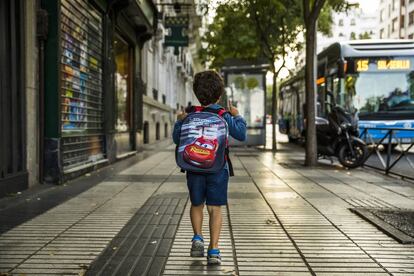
column 374, row 78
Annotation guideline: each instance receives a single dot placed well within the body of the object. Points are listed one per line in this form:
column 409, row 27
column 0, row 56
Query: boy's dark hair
column 208, row 87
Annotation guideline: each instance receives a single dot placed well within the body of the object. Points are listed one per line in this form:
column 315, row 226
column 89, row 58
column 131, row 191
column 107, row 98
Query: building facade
column 85, row 83
column 354, row 24
column 168, row 76
column 396, row 19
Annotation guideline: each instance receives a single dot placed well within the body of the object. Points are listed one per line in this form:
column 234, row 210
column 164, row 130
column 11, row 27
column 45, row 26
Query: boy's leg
column 216, row 197
column 196, row 187
column 215, row 225
column 196, row 215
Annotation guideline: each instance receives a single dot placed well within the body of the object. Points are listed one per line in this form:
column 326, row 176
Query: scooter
column 338, row 136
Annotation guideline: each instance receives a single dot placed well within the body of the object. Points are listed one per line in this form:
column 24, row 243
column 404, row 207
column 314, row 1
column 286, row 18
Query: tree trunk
column 310, row 87
column 274, row 112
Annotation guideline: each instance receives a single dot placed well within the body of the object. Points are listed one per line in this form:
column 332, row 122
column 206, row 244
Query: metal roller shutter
column 81, row 84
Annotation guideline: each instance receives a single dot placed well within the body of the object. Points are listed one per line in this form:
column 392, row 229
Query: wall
column 32, row 93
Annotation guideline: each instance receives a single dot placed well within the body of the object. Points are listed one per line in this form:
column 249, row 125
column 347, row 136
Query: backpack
column 203, row 146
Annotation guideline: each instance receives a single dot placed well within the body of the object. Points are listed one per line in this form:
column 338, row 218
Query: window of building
column 402, row 3
column 411, row 18
column 382, row 31
column 341, row 34
column 389, row 10
column 353, row 22
column 402, row 21
column 381, row 15
column 411, row 36
column 155, row 94
column 341, row 22
column 146, row 132
column 394, row 26
column 157, row 131
column 166, row 130
column 394, row 4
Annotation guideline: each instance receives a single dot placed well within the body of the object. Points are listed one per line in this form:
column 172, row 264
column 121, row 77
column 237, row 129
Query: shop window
column 157, row 131
column 122, row 83
column 146, row 132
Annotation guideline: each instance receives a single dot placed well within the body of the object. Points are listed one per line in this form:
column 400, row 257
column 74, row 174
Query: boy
column 209, row 188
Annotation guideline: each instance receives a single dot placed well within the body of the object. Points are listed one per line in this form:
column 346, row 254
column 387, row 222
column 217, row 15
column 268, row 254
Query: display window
column 123, row 72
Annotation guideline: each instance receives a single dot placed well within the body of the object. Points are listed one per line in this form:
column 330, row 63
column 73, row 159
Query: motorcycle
column 338, row 136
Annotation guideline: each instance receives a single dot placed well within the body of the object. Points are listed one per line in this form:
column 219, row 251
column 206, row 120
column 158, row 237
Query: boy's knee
column 197, row 205
column 213, row 208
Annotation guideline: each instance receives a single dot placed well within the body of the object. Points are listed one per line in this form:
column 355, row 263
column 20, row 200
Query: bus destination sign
column 363, row 65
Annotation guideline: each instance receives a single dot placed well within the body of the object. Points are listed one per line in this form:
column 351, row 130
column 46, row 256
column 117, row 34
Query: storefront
column 81, row 44
column 92, row 76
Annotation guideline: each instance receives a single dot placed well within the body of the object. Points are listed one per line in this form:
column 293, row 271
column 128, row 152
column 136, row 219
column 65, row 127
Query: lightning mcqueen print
column 201, row 153
column 203, row 140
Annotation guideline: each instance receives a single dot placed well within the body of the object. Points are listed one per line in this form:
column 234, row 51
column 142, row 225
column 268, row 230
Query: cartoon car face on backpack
column 201, row 153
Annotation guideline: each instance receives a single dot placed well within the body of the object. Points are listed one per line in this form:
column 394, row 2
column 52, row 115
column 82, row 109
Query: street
column 282, row 219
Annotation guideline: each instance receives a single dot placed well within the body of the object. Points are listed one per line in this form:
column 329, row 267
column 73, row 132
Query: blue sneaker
column 213, row 256
column 197, row 246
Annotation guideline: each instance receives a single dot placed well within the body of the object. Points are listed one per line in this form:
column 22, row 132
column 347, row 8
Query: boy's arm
column 177, row 132
column 237, row 126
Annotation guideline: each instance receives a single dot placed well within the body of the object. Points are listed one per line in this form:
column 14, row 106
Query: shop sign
column 176, row 37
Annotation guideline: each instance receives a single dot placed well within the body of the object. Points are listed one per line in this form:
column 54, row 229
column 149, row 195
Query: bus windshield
column 379, row 86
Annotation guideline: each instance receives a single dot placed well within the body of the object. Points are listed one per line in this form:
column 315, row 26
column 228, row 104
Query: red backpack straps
column 221, row 112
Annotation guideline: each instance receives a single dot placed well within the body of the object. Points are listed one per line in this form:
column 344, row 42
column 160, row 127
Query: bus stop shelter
column 245, row 83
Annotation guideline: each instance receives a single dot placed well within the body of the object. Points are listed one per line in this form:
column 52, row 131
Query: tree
column 251, row 29
column 311, row 12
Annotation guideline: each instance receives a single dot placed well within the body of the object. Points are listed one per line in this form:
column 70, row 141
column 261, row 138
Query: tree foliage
column 249, row 29
column 229, row 36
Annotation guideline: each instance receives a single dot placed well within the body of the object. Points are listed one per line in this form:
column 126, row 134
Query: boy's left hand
column 233, row 111
column 181, row 116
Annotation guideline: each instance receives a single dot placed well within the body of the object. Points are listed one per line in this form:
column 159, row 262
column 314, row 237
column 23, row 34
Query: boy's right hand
column 233, row 111
column 181, row 116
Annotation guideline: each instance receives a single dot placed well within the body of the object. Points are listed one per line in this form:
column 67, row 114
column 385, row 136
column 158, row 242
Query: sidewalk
column 282, row 219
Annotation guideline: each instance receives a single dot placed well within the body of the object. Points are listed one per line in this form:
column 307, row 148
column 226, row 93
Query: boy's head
column 208, row 87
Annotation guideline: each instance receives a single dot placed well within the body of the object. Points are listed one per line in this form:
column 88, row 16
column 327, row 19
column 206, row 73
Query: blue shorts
column 208, row 188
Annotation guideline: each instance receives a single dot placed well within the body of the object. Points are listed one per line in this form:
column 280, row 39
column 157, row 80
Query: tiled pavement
column 282, row 219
